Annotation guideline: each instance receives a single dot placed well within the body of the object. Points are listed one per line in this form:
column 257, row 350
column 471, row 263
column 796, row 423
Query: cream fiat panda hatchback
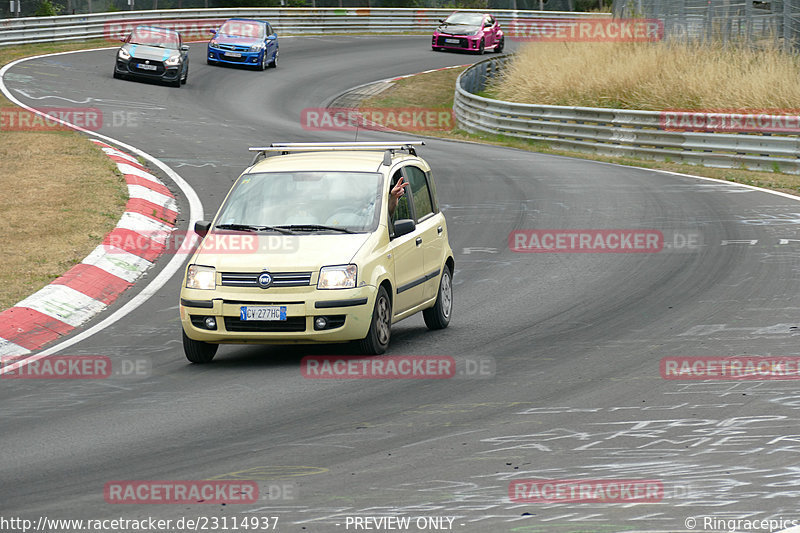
column 308, row 248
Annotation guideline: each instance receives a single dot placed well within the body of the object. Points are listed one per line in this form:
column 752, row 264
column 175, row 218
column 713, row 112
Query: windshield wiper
column 315, row 227
column 250, row 227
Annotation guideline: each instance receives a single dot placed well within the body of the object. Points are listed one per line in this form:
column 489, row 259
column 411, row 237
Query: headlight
column 173, row 60
column 214, row 43
column 200, row 277
column 123, row 54
column 337, row 277
column 256, row 48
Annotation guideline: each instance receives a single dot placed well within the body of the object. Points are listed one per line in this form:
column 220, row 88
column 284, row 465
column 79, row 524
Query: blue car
column 244, row 42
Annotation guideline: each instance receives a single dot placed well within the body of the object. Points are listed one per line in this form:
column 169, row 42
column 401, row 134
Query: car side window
column 402, row 210
column 421, row 196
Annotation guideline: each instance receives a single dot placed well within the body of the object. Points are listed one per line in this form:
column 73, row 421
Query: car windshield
column 305, row 201
column 160, row 37
column 470, row 19
column 243, row 28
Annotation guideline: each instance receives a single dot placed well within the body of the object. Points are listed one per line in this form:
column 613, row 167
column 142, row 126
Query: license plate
column 263, row 312
column 147, row 67
column 233, row 54
column 452, row 41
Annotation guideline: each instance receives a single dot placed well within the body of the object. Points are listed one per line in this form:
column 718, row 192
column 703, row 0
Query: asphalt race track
column 573, row 341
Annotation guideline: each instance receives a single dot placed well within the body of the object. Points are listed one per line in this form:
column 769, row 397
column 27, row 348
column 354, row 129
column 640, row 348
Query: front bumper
column 349, row 313
column 129, row 67
column 224, row 56
column 465, row 42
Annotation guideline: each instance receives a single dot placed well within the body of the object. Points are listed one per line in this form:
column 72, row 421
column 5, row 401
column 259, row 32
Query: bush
column 47, row 9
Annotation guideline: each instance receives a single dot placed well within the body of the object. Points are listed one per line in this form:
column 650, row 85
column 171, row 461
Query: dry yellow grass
column 651, row 76
column 59, row 195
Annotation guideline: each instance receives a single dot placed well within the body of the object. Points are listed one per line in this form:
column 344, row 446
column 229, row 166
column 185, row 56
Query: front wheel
column 499, row 47
column 438, row 316
column 198, row 351
column 481, row 48
column 380, row 329
column 274, row 62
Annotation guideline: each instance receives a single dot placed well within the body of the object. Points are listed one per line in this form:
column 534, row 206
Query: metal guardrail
column 615, row 132
column 195, row 23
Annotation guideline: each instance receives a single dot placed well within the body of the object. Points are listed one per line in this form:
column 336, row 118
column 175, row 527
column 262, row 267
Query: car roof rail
column 387, row 147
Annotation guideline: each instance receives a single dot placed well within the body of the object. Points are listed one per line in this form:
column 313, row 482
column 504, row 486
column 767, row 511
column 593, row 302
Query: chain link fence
column 756, row 22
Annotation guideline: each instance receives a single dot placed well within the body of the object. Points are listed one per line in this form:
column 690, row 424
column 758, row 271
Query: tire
column 499, row 47
column 436, row 49
column 198, row 351
column 211, row 61
column 117, row 75
column 185, row 75
column 481, row 48
column 438, row 316
column 274, row 62
column 380, row 328
column 263, row 64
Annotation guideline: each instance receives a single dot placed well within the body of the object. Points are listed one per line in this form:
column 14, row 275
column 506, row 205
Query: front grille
column 279, row 279
column 234, row 48
column 292, row 324
column 462, row 43
column 134, row 66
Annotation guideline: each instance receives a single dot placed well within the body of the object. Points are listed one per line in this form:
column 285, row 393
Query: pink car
column 474, row 32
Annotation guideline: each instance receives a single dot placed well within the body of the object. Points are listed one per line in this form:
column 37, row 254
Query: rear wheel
column 438, row 316
column 198, row 351
column 380, row 329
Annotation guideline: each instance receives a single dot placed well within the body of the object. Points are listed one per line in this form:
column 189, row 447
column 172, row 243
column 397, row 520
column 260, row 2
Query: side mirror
column 212, row 32
column 441, row 20
column 184, row 48
column 272, row 37
column 201, row 227
column 403, row 227
column 123, row 39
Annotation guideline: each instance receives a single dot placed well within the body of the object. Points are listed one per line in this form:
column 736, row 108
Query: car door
column 271, row 41
column 429, row 227
column 408, row 254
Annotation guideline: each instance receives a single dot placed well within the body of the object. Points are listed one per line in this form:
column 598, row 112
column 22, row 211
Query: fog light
column 320, row 322
column 211, row 322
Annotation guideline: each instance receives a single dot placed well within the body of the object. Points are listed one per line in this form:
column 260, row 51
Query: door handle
column 419, row 241
column 439, row 230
